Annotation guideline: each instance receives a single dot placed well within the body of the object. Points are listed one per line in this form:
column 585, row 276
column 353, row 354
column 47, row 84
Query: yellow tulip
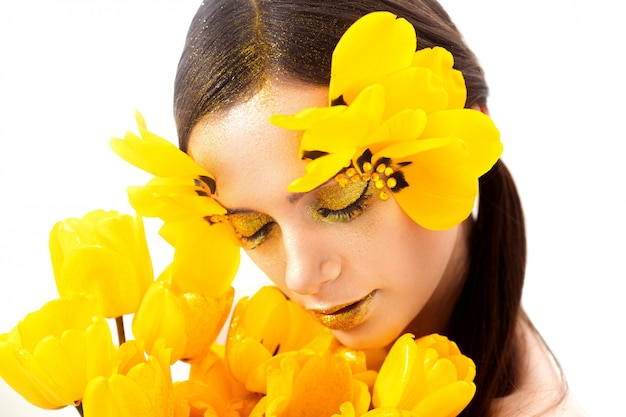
column 180, row 194
column 212, row 391
column 160, row 317
column 396, row 117
column 428, row 377
column 139, row 387
column 104, row 254
column 193, row 399
column 266, row 327
column 52, row 354
column 204, row 318
column 189, row 322
column 359, row 361
column 322, row 385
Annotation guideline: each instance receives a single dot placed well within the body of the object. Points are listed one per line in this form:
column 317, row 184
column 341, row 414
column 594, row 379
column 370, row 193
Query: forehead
column 252, row 160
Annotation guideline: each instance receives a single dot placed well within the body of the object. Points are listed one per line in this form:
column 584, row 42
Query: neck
column 435, row 316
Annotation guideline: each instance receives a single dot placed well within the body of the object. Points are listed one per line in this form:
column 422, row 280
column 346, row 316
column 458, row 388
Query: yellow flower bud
column 140, row 387
column 161, row 316
column 292, row 388
column 212, row 388
column 204, row 318
column 189, row 322
column 104, row 254
column 266, row 327
column 428, row 376
column 52, row 354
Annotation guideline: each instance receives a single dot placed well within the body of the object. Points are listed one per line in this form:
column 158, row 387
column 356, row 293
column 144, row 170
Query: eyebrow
column 295, row 197
column 292, row 199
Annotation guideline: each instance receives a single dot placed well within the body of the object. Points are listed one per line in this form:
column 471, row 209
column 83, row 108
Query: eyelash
column 348, row 213
column 253, row 241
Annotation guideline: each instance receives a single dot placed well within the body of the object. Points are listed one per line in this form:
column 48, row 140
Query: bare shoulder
column 542, row 390
column 531, row 406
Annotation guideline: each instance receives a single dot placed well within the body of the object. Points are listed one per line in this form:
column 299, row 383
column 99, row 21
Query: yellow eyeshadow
column 247, row 224
column 338, row 198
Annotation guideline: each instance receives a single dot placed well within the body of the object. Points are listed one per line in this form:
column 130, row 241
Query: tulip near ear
column 104, row 254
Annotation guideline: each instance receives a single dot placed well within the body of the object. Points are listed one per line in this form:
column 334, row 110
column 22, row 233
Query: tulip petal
column 347, row 129
column 440, row 61
column 98, row 400
column 404, row 126
column 328, row 371
column 204, row 318
column 439, row 194
column 306, row 118
column 172, row 199
column 207, row 257
column 448, row 401
column 129, row 398
column 126, row 235
column 160, row 316
column 99, row 349
column 378, row 45
column 155, row 154
column 320, row 170
column 427, row 91
column 19, row 378
column 442, row 373
column 145, row 390
column 104, row 254
column 395, row 372
column 104, row 273
column 476, row 130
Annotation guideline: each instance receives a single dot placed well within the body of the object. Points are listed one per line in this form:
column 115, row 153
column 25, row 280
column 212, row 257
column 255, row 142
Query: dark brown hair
column 235, row 46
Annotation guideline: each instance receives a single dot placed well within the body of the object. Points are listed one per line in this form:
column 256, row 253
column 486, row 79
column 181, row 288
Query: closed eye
column 253, row 241
column 354, row 198
column 252, row 229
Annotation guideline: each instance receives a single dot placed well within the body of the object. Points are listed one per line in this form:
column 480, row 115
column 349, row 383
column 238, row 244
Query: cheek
column 270, row 259
column 416, row 257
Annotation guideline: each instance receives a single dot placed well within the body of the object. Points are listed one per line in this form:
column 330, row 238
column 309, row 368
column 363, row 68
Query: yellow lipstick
column 345, row 317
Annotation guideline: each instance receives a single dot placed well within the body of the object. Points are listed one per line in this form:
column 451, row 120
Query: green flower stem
column 121, row 335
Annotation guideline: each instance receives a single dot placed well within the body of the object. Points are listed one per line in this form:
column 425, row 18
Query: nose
column 311, row 262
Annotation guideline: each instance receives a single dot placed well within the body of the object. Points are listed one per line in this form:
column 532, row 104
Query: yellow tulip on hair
column 52, row 354
column 397, row 117
column 104, row 254
column 429, row 377
column 139, row 387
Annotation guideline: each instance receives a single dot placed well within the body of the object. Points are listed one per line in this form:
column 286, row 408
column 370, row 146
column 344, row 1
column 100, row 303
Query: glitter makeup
column 345, row 317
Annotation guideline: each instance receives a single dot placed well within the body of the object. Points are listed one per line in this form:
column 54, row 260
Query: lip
column 344, row 316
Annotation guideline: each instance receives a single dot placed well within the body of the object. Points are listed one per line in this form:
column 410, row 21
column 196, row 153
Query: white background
column 73, row 72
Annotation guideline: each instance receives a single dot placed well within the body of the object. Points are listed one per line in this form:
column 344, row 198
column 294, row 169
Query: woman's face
column 358, row 263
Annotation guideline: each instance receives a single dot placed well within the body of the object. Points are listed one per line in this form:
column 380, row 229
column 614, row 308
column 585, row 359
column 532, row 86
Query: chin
column 364, row 339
